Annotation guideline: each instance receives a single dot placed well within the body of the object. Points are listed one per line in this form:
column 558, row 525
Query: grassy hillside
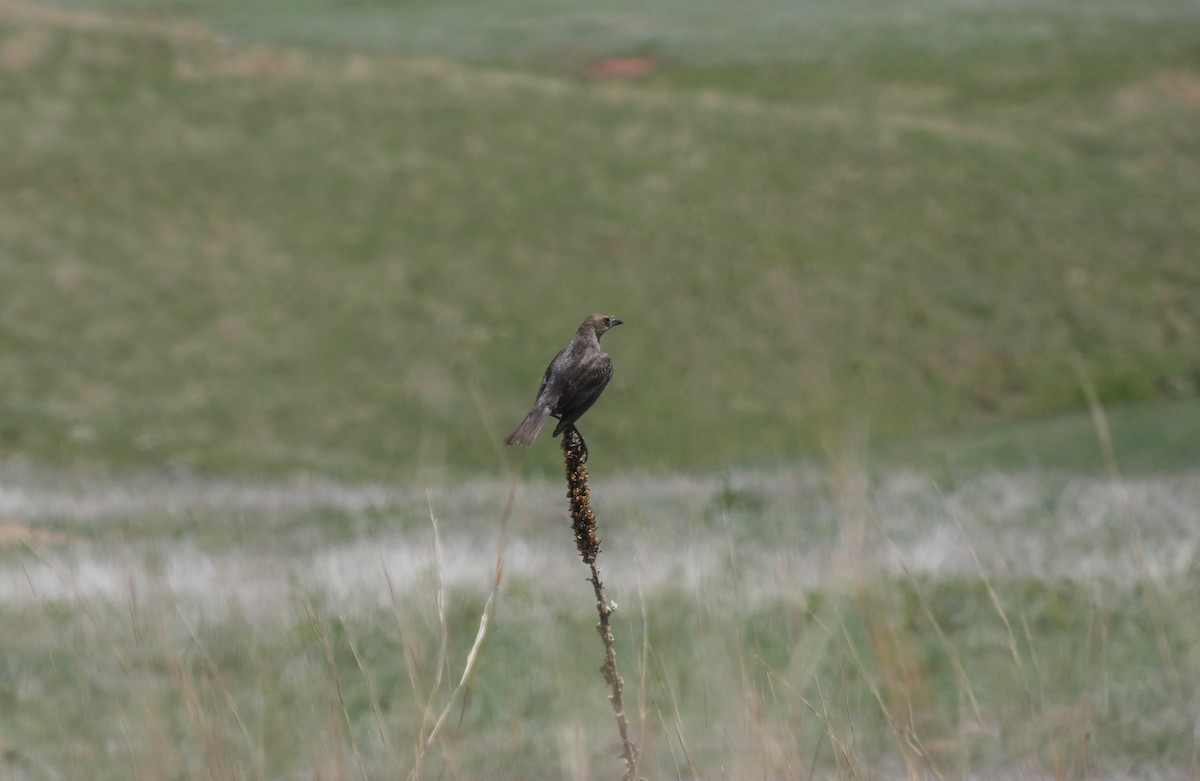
column 238, row 257
column 277, row 275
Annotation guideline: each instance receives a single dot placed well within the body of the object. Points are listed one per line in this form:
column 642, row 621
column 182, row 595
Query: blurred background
column 346, row 237
column 911, row 291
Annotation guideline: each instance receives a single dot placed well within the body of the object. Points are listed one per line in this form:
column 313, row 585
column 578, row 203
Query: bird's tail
column 529, row 428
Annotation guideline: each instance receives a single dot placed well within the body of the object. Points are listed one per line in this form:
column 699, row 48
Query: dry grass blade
column 322, row 633
column 676, row 725
column 1108, row 450
column 471, row 665
column 373, row 699
column 955, row 659
column 998, row 607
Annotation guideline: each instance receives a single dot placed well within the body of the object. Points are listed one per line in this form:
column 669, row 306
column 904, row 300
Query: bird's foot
column 583, row 448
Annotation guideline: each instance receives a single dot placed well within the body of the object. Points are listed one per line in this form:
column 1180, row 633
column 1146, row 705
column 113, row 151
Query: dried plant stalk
column 583, row 523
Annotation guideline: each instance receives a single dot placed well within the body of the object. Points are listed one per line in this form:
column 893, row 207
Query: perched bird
column 572, row 382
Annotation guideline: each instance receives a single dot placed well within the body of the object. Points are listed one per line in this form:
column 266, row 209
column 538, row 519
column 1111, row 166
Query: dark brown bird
column 572, row 382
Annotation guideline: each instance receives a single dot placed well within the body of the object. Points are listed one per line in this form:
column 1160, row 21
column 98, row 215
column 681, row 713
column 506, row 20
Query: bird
column 571, row 383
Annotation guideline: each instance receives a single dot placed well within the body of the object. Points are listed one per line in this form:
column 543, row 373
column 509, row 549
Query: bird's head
column 600, row 322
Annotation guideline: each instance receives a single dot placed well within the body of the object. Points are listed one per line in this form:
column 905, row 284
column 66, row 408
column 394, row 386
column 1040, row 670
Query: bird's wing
column 585, row 387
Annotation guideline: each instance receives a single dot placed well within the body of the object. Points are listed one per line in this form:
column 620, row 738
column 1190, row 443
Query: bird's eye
column 608, row 321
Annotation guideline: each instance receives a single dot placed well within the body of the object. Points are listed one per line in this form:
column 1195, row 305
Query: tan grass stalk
column 1108, row 450
column 458, row 694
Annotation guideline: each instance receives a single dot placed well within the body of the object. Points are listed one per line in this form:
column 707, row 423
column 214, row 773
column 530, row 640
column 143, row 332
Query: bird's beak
column 617, row 321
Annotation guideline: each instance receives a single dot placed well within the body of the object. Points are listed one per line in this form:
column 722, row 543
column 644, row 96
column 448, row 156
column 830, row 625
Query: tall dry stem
column 587, row 541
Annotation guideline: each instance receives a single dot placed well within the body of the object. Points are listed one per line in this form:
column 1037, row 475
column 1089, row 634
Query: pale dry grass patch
column 853, row 660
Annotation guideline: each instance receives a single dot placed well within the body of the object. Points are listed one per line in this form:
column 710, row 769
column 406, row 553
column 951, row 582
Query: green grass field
column 240, row 259
column 897, row 475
